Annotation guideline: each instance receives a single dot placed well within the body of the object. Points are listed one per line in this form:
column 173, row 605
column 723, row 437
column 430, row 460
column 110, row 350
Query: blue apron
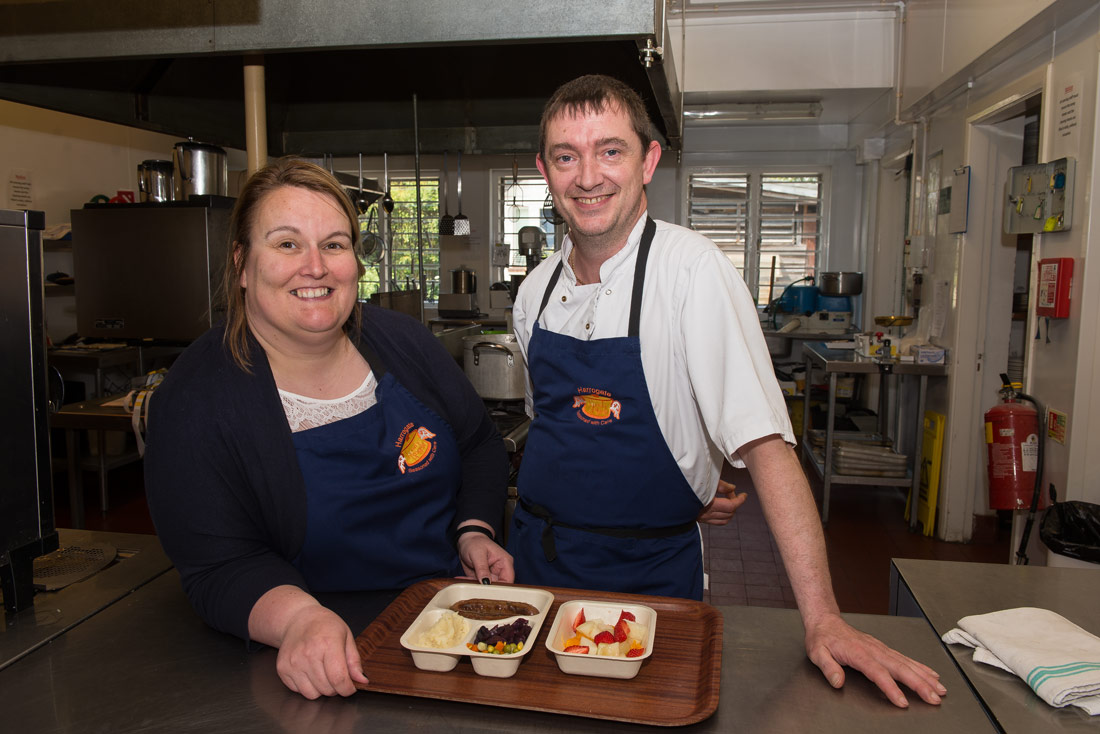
column 603, row 503
column 381, row 489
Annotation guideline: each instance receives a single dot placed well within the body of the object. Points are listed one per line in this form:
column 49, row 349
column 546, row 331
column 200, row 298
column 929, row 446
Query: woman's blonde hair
column 286, row 171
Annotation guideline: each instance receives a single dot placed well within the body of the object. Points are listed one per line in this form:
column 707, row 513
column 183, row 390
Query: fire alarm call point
column 1055, row 278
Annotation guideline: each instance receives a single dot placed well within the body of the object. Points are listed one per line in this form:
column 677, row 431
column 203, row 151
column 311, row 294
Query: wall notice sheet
column 20, row 193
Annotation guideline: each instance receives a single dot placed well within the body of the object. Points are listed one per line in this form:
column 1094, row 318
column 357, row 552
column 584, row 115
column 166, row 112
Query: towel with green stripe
column 1058, row 659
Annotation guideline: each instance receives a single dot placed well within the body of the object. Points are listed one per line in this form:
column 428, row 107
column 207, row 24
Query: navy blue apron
column 381, row 489
column 603, row 503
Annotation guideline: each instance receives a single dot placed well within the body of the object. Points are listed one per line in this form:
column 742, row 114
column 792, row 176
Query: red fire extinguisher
column 1012, row 435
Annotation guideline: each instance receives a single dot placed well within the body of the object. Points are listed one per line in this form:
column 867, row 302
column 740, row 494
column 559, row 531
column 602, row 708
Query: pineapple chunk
column 637, row 632
column 610, row 649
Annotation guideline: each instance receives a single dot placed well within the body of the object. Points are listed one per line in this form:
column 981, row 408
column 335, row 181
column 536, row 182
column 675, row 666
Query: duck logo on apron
column 417, row 448
column 596, row 406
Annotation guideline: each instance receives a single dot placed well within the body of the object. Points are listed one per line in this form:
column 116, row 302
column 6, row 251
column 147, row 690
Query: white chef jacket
column 706, row 364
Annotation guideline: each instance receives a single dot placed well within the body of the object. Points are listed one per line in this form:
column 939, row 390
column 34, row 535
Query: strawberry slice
column 628, row 616
column 581, row 649
column 604, row 637
column 578, row 620
column 622, row 631
column 635, row 652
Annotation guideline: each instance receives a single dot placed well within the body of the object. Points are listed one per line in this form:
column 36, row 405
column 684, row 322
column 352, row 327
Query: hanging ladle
column 387, row 200
column 361, row 204
column 446, row 222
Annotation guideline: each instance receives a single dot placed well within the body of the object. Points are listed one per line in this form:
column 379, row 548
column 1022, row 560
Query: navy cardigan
column 225, row 492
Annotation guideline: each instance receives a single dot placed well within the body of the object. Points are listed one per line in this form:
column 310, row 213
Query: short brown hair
column 286, row 171
column 595, row 93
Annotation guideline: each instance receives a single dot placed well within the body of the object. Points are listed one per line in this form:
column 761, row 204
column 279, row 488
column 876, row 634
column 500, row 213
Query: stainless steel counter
column 943, row 592
column 147, row 664
column 54, row 613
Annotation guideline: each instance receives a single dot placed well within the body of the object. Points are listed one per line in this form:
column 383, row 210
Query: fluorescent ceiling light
column 733, row 111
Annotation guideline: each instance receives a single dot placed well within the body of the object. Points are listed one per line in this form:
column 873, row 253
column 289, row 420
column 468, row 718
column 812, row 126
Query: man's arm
column 831, row 642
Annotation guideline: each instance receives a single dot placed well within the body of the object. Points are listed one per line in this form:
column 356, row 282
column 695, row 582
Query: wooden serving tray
column 677, row 685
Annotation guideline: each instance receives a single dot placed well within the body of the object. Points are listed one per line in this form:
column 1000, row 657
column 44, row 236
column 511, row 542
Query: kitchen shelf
column 57, row 245
column 837, row 362
column 52, row 289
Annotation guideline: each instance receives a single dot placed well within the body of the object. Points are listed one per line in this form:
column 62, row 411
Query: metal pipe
column 255, row 113
column 419, row 217
column 384, row 219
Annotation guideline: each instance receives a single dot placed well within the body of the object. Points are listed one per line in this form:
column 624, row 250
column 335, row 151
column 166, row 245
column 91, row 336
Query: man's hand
column 832, row 643
column 721, row 508
column 318, row 656
column 482, row 558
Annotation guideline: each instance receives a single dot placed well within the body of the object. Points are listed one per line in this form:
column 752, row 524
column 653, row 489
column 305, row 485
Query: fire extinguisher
column 1014, row 449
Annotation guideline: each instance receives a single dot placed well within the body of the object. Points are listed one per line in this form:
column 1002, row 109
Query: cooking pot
column 201, row 169
column 840, row 284
column 494, row 365
column 463, row 281
column 155, row 181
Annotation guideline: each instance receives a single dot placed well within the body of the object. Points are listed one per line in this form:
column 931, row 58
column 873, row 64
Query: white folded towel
column 1058, row 659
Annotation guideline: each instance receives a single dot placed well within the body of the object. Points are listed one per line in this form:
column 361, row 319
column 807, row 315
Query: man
column 648, row 370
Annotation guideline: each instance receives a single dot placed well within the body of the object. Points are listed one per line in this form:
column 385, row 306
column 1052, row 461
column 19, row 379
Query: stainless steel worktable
column 835, row 362
column 148, row 664
column 944, row 592
column 140, row 559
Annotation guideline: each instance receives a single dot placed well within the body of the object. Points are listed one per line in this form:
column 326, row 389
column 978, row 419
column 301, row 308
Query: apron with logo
column 603, row 503
column 381, row 490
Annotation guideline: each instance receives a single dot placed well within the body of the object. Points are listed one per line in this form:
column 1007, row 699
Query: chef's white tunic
column 705, row 360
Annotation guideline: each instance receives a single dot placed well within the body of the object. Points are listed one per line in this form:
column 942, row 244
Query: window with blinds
column 764, row 222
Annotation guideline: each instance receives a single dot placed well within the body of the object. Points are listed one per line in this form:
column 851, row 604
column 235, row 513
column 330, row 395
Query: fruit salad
column 626, row 638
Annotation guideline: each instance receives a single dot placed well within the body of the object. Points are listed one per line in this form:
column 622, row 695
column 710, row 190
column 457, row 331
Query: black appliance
column 150, row 270
column 26, row 494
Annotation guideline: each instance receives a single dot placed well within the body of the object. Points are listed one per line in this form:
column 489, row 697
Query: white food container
column 487, row 664
column 595, row 665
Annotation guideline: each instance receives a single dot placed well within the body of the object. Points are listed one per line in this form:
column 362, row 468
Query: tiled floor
column 866, row 529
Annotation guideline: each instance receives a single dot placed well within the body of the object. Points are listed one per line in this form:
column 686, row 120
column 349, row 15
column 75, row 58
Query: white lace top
column 303, row 413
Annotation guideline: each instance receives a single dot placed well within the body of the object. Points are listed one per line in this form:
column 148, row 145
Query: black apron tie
column 551, row 552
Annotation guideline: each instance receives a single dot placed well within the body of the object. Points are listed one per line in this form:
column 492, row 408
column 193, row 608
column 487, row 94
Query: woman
column 311, row 444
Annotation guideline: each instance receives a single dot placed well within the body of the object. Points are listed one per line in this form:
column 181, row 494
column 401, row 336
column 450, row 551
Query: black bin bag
column 1072, row 529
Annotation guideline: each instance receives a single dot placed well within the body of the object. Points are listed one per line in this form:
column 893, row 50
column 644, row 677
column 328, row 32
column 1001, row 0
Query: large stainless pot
column 155, row 181
column 463, row 281
column 494, row 364
column 201, row 169
column 840, row 284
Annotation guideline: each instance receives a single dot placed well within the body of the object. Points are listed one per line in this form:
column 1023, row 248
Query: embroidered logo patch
column 596, row 406
column 417, row 448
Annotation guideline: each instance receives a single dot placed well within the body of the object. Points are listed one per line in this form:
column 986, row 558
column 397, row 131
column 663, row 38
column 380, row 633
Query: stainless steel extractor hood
column 340, row 75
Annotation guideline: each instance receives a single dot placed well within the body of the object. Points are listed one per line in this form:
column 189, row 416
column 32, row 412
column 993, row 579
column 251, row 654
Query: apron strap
column 550, row 288
column 550, row 551
column 639, row 279
column 639, row 276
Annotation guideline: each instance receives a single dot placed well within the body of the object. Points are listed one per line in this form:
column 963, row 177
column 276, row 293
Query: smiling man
column 647, row 371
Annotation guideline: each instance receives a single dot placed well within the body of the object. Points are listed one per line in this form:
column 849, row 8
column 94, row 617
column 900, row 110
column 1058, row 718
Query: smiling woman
column 314, row 443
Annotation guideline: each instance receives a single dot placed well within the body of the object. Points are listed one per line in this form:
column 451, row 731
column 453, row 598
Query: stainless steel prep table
column 53, row 613
column 148, row 664
column 835, row 362
column 943, row 592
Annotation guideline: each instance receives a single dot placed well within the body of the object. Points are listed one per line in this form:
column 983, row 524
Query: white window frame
column 751, row 272
column 430, row 231
column 496, row 176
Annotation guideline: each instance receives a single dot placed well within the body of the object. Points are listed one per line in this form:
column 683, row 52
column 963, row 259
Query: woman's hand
column 317, row 653
column 482, row 558
column 721, row 508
